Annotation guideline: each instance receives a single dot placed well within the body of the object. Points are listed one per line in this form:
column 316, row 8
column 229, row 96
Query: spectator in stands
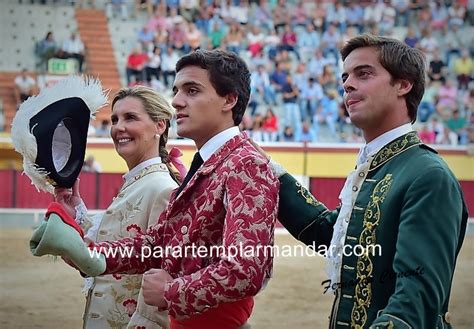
column 153, row 65
column 256, row 40
column 278, row 78
column 428, row 44
column 307, row 41
column 104, row 129
column 318, row 62
column 447, row 95
column 387, row 21
column 168, row 64
column 411, row 38
column 177, row 37
column 289, row 40
column 73, row 47
column 437, row 68
column 136, row 63
column 427, row 104
column 288, row 134
column 452, row 41
column 300, row 78
column 464, row 69
column 257, row 133
column 468, row 102
column 260, row 84
column 272, row 41
column 426, row 134
column 311, row 96
column 286, row 61
column 146, row 37
column 402, row 8
column 158, row 20
column 233, row 38
column 270, row 126
column 300, row 15
column 373, row 13
column 189, row 9
column 281, row 15
column 331, row 41
column 439, row 15
column 306, row 135
column 114, row 6
column 173, row 18
column 328, row 113
column 161, row 38
column 290, row 95
column 457, row 124
column 216, row 36
column 193, row 37
column 262, row 16
column 470, row 13
column 46, row 49
column 328, row 79
column 146, row 5
column 25, row 86
column 91, row 165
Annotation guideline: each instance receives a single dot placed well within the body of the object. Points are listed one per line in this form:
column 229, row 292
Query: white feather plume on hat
column 88, row 89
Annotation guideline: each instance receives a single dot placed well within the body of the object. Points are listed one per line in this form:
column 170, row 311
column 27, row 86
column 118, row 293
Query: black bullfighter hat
column 50, row 131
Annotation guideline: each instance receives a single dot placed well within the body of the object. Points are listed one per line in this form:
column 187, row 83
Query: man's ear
column 230, row 101
column 404, row 87
column 160, row 126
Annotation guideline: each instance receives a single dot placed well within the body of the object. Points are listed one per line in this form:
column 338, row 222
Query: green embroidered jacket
column 411, row 205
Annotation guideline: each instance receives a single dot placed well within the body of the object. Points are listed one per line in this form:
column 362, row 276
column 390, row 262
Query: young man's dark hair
column 400, row 60
column 228, row 74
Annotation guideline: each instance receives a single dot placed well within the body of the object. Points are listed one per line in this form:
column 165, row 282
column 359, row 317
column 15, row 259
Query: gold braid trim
column 394, row 148
column 363, row 289
column 309, row 198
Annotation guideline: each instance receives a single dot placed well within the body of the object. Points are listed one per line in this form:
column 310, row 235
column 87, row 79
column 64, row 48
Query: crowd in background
column 292, row 47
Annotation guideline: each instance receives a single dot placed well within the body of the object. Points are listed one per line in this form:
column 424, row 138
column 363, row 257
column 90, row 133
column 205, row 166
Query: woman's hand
column 69, row 198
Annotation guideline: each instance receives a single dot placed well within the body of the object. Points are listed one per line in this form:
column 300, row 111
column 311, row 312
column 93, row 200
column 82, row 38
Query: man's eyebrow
column 189, row 84
column 357, row 68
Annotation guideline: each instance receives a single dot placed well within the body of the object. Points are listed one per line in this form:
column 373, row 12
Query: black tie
column 197, row 162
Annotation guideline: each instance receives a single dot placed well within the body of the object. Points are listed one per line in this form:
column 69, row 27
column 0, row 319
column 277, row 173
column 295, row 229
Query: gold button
column 361, row 174
column 354, row 188
column 184, row 230
column 447, row 317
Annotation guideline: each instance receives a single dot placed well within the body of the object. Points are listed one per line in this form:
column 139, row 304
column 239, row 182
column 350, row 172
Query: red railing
column 98, row 190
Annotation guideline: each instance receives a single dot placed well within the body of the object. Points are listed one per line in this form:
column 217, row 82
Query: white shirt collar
column 215, row 143
column 376, row 145
column 135, row 170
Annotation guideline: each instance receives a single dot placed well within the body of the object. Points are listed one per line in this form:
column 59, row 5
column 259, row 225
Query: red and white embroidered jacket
column 231, row 201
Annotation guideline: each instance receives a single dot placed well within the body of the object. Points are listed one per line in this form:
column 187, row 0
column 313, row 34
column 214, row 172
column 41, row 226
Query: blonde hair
column 157, row 108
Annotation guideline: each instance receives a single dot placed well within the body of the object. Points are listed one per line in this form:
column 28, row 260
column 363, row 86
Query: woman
column 140, row 121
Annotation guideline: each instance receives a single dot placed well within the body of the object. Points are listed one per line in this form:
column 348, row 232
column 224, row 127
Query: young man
column 228, row 199
column 401, row 196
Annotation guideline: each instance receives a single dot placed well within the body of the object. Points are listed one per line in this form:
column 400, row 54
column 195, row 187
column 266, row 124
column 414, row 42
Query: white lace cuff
column 81, row 213
column 277, row 168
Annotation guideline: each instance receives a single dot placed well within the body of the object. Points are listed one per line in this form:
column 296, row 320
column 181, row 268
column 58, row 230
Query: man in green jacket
column 401, row 198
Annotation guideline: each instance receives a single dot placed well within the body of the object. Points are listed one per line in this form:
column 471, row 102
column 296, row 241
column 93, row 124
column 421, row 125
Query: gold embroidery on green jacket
column 363, row 288
column 309, row 198
column 394, row 148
